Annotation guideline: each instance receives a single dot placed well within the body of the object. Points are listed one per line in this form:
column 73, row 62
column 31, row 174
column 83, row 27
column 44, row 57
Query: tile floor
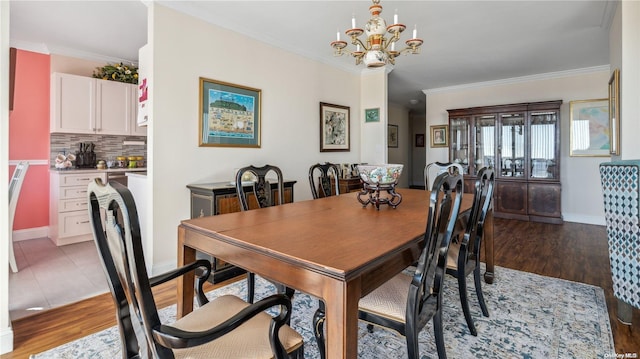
column 50, row 276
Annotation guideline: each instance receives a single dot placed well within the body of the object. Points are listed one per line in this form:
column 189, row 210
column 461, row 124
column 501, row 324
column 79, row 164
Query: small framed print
column 439, row 136
column 334, row 128
column 392, row 136
column 372, row 115
column 420, row 140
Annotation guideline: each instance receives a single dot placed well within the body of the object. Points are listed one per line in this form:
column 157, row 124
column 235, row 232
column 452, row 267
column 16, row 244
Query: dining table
column 333, row 248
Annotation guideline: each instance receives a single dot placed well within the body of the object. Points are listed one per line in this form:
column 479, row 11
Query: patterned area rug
column 531, row 316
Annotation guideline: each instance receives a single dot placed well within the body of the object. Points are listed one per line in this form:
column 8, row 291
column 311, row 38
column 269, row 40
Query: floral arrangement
column 117, row 72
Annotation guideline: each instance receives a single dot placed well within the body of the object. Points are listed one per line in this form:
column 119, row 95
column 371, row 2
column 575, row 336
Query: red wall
column 29, row 137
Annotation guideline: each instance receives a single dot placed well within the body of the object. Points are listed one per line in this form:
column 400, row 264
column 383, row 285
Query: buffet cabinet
column 522, row 142
column 210, row 199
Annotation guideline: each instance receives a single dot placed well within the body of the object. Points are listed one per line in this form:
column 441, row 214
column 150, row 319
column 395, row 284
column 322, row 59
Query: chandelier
column 378, row 50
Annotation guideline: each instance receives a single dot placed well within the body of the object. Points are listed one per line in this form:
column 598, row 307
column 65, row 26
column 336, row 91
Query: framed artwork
column 589, row 128
column 392, row 136
column 229, row 114
column 419, row 139
column 372, row 115
column 334, row 127
column 614, row 113
column 439, row 136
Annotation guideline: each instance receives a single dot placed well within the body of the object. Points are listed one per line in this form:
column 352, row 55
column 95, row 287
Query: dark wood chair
column 226, row 327
column 408, row 301
column 464, row 253
column 255, row 192
column 433, row 169
column 320, row 180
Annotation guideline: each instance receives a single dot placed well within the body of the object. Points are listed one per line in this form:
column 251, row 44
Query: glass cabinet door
column 484, row 142
column 459, row 137
column 543, row 144
column 512, row 145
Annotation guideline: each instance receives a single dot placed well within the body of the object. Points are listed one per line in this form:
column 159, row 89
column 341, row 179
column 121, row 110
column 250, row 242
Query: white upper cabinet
column 73, row 103
column 82, row 104
column 114, row 115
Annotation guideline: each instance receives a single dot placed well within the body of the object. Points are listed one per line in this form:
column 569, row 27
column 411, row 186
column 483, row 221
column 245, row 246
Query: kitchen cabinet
column 86, row 105
column 68, row 215
column 522, row 143
column 210, row 199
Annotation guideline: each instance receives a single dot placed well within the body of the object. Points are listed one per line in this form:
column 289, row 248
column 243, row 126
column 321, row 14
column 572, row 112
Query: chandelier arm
column 356, row 41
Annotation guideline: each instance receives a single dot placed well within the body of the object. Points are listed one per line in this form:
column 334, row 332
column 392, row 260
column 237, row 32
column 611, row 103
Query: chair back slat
column 483, row 195
column 324, row 173
column 261, row 188
column 432, row 170
column 444, row 204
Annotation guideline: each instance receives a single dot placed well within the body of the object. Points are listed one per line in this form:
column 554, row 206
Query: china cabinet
column 86, row 105
column 522, row 142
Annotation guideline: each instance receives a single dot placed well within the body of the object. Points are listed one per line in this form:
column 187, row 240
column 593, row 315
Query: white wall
column 418, row 154
column 399, row 116
column 630, row 80
column 581, row 194
column 6, row 333
column 186, row 48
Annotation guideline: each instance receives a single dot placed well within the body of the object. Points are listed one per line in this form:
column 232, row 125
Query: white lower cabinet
column 68, row 215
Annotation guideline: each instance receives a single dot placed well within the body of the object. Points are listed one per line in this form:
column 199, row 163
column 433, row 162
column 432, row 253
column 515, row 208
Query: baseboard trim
column 581, row 218
column 30, row 233
column 6, row 341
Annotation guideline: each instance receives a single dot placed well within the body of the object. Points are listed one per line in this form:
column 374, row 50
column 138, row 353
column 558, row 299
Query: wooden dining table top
column 334, row 235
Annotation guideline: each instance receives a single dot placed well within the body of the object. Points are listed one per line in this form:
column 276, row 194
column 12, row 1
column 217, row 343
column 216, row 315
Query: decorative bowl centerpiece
column 386, row 174
column 376, row 178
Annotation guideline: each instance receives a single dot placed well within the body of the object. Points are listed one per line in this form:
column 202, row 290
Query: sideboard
column 210, row 199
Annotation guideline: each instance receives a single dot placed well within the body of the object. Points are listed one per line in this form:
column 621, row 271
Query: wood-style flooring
column 571, row 251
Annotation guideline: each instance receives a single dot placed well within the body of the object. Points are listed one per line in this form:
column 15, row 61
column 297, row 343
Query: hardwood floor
column 569, row 251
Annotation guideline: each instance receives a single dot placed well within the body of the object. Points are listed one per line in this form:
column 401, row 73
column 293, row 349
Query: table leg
column 488, row 247
column 185, row 282
column 341, row 304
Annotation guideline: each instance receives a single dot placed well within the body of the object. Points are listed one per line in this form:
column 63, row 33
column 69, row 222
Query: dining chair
column 433, row 169
column 324, row 173
column 225, row 327
column 255, row 192
column 409, row 300
column 464, row 253
column 15, row 186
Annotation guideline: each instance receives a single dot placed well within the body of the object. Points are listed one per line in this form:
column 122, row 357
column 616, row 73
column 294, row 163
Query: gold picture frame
column 439, row 136
column 614, row 113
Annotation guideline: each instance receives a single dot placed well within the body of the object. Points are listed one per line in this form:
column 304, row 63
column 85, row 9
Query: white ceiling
column 464, row 41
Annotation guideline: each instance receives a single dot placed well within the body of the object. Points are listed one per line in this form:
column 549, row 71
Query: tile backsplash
column 106, row 146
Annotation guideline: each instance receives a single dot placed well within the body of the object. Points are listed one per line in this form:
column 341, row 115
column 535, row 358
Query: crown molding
column 43, row 48
column 513, row 80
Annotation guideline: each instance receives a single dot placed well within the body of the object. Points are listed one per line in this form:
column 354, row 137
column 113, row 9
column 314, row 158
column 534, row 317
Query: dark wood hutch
column 522, row 142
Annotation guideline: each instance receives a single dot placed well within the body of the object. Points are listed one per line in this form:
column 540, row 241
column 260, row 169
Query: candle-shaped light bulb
column 338, row 35
column 353, row 22
column 358, row 47
column 395, row 17
column 415, row 32
column 393, row 46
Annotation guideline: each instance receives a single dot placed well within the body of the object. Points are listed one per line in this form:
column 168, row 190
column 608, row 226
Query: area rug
column 531, row 316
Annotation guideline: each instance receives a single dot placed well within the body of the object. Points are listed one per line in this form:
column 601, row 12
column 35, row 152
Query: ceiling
column 464, row 41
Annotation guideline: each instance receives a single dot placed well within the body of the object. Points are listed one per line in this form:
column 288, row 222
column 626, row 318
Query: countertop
column 90, row 170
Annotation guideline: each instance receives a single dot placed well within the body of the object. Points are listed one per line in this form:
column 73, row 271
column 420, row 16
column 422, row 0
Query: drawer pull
column 84, row 222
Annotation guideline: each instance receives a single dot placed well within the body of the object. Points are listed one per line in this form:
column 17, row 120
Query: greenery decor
column 117, row 72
